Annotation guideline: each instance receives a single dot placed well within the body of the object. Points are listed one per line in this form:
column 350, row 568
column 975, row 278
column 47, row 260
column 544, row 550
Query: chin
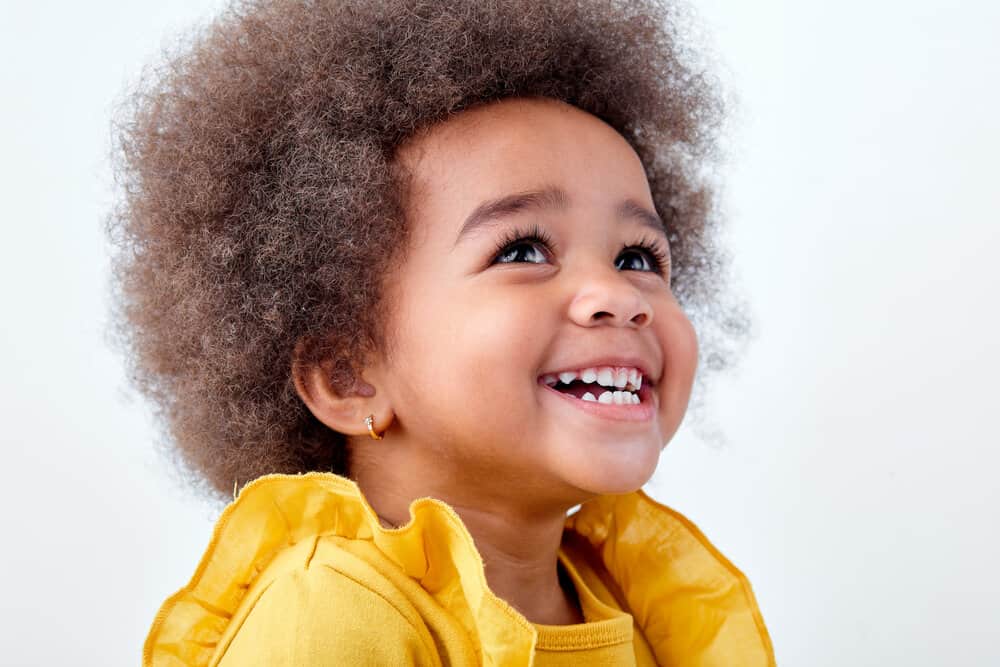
column 619, row 486
column 623, row 474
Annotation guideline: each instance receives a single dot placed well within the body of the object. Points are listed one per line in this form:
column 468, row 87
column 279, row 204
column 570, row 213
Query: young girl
column 417, row 269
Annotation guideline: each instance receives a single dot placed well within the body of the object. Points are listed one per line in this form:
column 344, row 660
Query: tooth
column 634, row 380
column 619, row 398
column 621, row 377
column 589, row 375
column 588, row 397
column 605, row 377
column 635, row 399
column 606, row 397
column 549, row 379
column 567, row 377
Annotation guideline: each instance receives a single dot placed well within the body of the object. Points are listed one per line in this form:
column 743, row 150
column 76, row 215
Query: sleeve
column 319, row 617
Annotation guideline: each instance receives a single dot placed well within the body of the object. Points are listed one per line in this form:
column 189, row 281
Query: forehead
column 515, row 145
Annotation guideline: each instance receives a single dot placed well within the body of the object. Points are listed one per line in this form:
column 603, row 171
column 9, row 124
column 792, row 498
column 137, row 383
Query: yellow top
column 300, row 571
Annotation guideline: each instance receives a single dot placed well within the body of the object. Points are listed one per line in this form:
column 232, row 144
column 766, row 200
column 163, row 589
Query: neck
column 519, row 546
column 521, row 563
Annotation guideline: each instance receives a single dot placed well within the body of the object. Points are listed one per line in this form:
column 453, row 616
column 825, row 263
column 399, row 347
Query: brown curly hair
column 260, row 204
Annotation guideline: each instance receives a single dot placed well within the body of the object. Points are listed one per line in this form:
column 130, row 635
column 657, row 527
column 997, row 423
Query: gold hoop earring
column 370, row 423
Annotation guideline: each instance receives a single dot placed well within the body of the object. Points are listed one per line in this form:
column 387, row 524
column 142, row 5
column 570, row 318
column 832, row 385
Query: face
column 535, row 256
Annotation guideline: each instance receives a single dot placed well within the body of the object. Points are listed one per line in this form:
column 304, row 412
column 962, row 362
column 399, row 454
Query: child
column 416, row 269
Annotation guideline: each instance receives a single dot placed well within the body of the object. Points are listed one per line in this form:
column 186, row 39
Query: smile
column 602, row 384
column 613, row 392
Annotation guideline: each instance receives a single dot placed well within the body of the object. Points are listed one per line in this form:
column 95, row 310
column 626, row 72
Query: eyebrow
column 492, row 211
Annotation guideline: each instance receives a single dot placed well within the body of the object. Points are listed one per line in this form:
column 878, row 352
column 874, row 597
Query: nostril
column 639, row 319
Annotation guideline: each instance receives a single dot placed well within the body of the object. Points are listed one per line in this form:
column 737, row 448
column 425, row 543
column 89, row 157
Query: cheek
column 495, row 345
column 680, row 352
column 471, row 353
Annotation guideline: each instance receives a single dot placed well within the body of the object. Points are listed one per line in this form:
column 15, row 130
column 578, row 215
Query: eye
column 535, row 245
column 523, row 247
column 647, row 255
column 514, row 253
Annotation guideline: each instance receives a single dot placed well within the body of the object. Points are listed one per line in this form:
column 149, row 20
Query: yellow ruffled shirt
column 300, row 571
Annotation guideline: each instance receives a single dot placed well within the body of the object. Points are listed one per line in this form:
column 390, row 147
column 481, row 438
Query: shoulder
column 332, row 610
column 297, row 571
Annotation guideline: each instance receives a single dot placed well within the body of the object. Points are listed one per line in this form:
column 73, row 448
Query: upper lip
column 642, row 365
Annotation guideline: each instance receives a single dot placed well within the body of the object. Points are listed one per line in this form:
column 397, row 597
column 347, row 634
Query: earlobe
column 342, row 409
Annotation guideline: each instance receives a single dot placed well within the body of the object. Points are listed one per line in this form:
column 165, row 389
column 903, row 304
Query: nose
column 607, row 297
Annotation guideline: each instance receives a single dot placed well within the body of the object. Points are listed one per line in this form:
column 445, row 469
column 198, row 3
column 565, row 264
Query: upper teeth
column 620, row 377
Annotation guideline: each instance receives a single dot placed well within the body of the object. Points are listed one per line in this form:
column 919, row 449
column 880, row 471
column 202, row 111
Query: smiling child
column 412, row 274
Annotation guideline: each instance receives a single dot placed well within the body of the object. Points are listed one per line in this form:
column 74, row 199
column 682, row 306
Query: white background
column 858, row 487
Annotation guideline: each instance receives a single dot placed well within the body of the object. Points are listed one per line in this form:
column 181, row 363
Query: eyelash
column 660, row 257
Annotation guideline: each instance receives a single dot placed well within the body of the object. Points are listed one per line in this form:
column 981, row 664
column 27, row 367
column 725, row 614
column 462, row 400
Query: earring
column 370, row 423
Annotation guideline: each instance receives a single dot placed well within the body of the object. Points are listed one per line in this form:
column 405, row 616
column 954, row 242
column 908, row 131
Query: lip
column 643, row 412
column 633, row 362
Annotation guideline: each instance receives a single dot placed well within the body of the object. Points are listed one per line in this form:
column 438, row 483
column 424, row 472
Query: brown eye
column 647, row 255
column 634, row 260
column 521, row 246
column 521, row 251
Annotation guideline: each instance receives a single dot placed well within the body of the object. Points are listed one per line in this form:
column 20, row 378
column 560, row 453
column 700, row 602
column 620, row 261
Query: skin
column 456, row 393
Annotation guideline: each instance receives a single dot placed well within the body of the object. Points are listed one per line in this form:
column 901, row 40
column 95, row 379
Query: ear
column 340, row 408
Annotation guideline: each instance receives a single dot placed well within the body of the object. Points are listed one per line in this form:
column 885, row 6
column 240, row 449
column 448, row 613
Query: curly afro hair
column 260, row 204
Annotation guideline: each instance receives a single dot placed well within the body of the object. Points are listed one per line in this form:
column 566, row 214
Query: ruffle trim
column 697, row 604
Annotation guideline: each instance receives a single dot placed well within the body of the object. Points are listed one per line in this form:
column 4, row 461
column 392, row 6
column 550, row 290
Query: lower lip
column 641, row 412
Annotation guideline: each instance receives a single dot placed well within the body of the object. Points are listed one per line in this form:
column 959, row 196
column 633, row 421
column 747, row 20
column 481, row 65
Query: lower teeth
column 614, row 397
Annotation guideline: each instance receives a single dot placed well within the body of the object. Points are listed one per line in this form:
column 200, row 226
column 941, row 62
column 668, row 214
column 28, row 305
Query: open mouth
column 605, row 385
column 590, row 391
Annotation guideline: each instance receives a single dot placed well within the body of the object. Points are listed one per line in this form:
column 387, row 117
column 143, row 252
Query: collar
column 692, row 605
